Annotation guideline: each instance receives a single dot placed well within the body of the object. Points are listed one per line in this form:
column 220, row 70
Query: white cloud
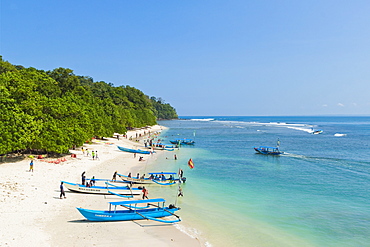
column 340, row 104
column 324, row 105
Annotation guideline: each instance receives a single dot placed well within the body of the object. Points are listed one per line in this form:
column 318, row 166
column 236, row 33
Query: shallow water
column 316, row 194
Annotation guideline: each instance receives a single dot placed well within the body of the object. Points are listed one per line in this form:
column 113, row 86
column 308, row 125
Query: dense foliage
column 163, row 110
column 52, row 111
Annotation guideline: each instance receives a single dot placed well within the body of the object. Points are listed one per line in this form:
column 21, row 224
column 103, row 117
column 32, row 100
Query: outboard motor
column 171, row 206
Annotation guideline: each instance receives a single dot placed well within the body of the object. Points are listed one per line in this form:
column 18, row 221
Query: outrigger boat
column 157, row 147
column 154, row 178
column 133, row 211
column 183, row 141
column 130, row 150
column 316, row 132
column 105, row 190
column 268, row 150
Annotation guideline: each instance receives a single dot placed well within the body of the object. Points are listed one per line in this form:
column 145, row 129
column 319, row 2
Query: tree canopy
column 52, row 111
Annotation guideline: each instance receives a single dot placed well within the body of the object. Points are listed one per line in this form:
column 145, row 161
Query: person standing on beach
column 175, row 157
column 96, row 155
column 62, row 193
column 31, row 165
column 145, row 193
column 83, row 151
column 87, row 152
column 83, row 177
column 93, row 154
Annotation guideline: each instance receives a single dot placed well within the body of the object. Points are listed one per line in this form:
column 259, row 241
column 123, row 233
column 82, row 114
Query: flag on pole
column 191, row 164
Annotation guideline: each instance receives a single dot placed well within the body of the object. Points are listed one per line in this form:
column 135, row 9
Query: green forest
column 52, row 111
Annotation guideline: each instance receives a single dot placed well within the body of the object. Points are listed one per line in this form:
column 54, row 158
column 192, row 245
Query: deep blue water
column 316, row 194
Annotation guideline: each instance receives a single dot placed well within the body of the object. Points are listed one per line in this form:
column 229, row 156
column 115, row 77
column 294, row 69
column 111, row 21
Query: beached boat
column 133, row 212
column 154, row 178
column 163, row 145
column 183, row 141
column 160, row 148
column 133, row 150
column 123, row 190
column 268, row 150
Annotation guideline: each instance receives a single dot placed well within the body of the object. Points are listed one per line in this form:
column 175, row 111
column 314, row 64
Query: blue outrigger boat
column 130, row 150
column 268, row 150
column 133, row 212
column 183, row 141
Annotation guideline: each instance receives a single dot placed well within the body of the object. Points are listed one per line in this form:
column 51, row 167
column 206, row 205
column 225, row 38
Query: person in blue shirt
column 62, row 193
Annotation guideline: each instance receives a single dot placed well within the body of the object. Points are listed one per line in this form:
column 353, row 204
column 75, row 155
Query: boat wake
column 339, row 134
column 301, row 127
column 202, row 119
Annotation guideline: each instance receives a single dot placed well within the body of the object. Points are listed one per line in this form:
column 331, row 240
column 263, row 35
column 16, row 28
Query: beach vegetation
column 55, row 110
column 163, row 110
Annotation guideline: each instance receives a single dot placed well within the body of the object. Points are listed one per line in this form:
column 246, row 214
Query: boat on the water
column 133, row 211
column 316, row 132
column 183, row 141
column 130, row 150
column 268, row 150
column 154, row 178
column 105, row 190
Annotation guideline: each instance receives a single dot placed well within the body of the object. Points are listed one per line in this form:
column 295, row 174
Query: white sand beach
column 32, row 214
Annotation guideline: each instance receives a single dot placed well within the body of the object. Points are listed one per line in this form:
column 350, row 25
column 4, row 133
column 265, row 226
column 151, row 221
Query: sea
column 315, row 194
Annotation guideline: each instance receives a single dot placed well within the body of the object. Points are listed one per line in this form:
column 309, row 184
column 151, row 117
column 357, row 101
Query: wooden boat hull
column 124, row 215
column 122, row 190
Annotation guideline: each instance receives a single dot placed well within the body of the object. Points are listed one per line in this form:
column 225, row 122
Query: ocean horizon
column 315, row 194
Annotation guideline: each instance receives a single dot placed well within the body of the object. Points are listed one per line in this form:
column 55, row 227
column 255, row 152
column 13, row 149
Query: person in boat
column 145, row 193
column 151, row 176
column 143, row 176
column 83, row 178
column 171, row 178
column 92, row 181
column 137, row 175
column 114, row 176
column 62, row 193
column 163, row 177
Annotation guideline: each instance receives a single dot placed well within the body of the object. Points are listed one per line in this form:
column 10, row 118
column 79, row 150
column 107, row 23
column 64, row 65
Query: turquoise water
column 316, row 194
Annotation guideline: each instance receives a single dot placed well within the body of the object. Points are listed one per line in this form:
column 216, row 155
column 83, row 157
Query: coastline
column 33, row 214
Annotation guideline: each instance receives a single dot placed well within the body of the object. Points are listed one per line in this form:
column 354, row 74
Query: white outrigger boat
column 154, row 178
column 105, row 190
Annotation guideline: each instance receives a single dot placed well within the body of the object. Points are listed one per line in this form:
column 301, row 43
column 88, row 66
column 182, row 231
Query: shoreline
column 33, row 214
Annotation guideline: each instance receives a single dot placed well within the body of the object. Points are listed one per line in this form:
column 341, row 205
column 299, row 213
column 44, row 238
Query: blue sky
column 205, row 57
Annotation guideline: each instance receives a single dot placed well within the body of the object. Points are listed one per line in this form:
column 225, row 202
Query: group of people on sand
column 94, row 154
